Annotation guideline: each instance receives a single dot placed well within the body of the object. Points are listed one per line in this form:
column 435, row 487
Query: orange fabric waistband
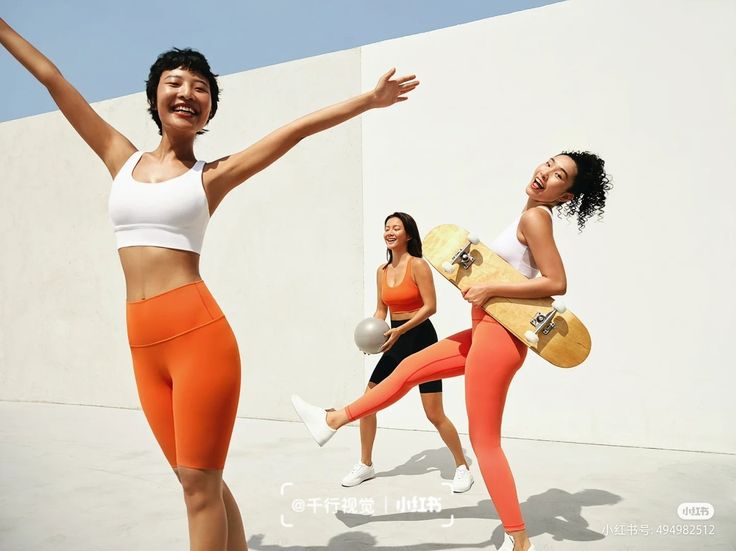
column 170, row 314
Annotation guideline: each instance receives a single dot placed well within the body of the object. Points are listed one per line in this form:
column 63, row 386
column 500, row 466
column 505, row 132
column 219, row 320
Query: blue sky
column 105, row 48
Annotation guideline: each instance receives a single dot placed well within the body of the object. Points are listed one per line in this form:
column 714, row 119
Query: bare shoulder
column 537, row 213
column 420, row 266
column 537, row 217
column 119, row 155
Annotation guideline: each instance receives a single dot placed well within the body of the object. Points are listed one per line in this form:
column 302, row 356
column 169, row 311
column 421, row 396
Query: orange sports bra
column 405, row 296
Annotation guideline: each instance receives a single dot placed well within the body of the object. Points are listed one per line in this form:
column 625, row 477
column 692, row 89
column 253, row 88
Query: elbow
column 432, row 310
column 50, row 77
column 555, row 286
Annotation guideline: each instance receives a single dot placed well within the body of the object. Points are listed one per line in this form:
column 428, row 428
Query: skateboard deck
column 464, row 261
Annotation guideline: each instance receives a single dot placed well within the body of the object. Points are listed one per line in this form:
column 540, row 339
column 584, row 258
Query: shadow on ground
column 556, row 512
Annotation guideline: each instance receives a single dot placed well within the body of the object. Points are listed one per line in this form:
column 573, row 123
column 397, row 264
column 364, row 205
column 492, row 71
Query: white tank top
column 172, row 214
column 513, row 251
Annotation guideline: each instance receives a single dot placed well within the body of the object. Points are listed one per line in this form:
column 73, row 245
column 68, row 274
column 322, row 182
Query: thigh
column 385, row 366
column 155, row 394
column 427, row 336
column 443, row 359
column 205, row 367
column 431, row 387
column 415, row 340
column 494, row 358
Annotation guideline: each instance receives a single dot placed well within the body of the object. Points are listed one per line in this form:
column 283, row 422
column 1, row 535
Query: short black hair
column 188, row 59
column 589, row 187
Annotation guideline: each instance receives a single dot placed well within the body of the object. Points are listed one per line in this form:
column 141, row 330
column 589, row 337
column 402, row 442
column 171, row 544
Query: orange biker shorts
column 187, row 370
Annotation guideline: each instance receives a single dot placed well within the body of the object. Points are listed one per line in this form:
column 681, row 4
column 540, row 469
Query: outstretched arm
column 225, row 174
column 111, row 146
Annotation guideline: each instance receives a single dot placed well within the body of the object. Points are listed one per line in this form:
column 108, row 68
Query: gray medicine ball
column 369, row 335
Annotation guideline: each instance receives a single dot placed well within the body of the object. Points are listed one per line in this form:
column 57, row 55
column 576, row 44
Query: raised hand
column 109, row 144
column 389, row 91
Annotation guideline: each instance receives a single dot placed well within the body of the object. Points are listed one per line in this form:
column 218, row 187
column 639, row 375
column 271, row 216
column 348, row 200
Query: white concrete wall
column 645, row 84
column 650, row 87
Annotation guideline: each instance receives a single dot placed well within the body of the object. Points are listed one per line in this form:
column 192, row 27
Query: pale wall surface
column 643, row 86
column 647, row 85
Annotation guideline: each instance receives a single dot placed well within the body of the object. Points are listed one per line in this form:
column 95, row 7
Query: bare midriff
column 401, row 316
column 150, row 271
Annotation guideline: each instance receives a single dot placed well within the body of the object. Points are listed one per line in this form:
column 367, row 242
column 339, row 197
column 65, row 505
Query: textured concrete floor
column 88, row 478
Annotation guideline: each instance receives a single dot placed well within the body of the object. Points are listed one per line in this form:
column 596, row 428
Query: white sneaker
column 360, row 473
column 463, row 480
column 315, row 418
column 508, row 544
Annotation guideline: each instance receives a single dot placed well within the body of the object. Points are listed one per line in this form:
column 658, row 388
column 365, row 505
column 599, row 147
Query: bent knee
column 437, row 419
column 483, row 439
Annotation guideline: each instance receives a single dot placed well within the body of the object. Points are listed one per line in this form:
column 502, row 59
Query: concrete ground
column 90, row 478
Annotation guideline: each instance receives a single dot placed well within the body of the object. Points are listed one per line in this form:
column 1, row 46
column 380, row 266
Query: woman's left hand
column 387, row 91
column 478, row 295
column 393, row 335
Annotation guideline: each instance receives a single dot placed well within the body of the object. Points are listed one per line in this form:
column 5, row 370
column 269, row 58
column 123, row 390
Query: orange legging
column 187, row 369
column 488, row 356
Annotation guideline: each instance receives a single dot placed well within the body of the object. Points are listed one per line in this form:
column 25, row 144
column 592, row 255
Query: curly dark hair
column 188, row 59
column 589, row 187
column 414, row 245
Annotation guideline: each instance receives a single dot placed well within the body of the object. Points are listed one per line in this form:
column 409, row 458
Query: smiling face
column 183, row 100
column 394, row 234
column 552, row 180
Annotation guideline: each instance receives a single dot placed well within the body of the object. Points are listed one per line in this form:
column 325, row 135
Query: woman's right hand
column 392, row 335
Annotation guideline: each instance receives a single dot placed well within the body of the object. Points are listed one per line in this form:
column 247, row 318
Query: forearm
column 380, row 314
column 419, row 317
column 28, row 56
column 331, row 116
column 534, row 288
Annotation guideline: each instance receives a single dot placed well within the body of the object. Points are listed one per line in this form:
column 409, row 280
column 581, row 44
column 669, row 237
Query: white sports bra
column 172, row 214
column 513, row 251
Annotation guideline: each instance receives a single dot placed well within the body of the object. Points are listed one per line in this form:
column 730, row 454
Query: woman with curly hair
column 185, row 356
column 488, row 354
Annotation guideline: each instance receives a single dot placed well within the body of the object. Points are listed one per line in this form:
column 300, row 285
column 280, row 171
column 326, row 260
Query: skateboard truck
column 463, row 256
column 544, row 323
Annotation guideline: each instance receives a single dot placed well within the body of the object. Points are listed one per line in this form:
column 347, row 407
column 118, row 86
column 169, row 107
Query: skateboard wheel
column 448, row 267
column 473, row 238
column 559, row 306
column 531, row 337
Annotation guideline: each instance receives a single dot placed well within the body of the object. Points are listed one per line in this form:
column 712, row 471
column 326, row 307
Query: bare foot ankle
column 332, row 420
column 521, row 541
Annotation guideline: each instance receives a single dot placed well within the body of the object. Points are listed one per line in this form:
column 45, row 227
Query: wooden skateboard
column 543, row 324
